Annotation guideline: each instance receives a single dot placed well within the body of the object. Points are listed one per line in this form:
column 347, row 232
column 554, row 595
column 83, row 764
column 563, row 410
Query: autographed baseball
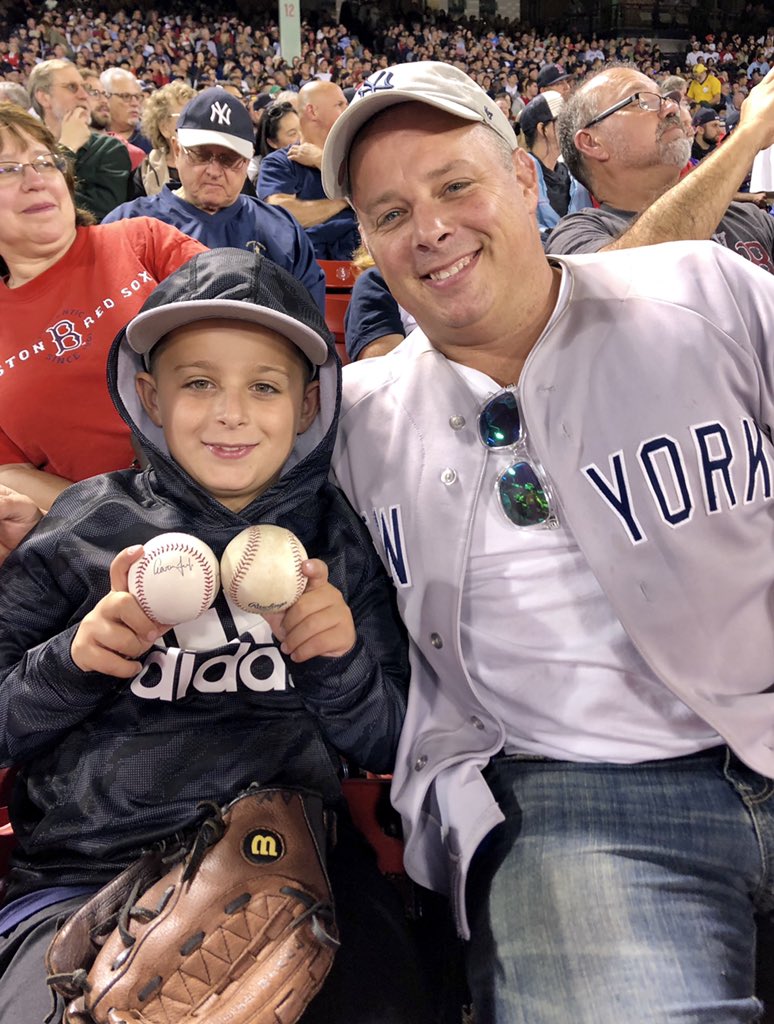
column 176, row 579
column 261, row 569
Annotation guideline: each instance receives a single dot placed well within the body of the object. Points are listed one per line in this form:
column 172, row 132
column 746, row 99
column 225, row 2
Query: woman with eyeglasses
column 67, row 287
column 159, row 123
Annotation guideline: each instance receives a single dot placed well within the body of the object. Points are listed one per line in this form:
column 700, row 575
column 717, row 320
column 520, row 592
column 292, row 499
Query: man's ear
column 589, row 146
column 526, row 174
column 148, row 395
column 44, row 99
column 310, row 405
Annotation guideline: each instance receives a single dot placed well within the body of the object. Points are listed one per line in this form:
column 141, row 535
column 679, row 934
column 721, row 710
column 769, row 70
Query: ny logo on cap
column 221, row 111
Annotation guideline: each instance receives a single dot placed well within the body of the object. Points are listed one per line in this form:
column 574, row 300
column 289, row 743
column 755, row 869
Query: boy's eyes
column 262, row 387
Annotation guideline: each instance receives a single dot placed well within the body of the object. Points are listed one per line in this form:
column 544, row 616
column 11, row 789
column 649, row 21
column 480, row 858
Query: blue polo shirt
column 334, row 239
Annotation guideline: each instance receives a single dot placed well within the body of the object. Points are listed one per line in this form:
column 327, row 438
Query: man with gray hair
column 628, row 144
column 12, row 92
column 568, row 469
column 101, row 164
column 125, row 94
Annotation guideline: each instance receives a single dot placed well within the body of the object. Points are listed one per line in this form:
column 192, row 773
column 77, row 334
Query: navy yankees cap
column 232, row 284
column 428, row 81
column 216, row 118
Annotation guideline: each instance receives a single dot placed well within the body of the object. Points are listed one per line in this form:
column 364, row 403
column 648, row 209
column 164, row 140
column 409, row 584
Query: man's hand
column 116, row 631
column 757, row 113
column 757, row 198
column 319, row 624
column 18, row 514
column 305, row 153
column 75, row 129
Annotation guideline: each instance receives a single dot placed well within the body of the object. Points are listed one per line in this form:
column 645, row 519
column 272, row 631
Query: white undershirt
column 543, row 645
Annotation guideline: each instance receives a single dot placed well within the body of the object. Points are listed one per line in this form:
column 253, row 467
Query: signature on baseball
column 182, row 565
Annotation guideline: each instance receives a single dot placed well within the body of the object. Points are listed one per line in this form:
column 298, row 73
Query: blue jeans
column 621, row 894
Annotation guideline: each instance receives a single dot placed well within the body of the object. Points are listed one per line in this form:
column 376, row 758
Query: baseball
column 176, row 579
column 261, row 569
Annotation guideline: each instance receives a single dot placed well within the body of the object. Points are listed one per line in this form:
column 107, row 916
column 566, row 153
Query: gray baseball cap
column 232, row 284
column 432, row 82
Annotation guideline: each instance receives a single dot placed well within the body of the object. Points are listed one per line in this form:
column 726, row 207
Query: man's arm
column 278, row 186
column 36, row 484
column 694, row 207
column 308, row 212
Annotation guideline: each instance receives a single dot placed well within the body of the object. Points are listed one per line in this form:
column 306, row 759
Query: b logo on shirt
column 65, row 337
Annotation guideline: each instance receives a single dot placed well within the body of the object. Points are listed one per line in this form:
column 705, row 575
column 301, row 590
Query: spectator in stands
column 738, row 96
column 280, row 127
column 12, row 92
column 69, row 288
column 374, row 323
column 213, row 144
column 99, row 105
column 555, row 78
column 290, row 178
column 125, row 94
column 628, row 146
column 707, row 132
column 704, row 87
column 558, row 192
column 101, row 164
column 159, row 124
column 585, row 698
column 220, row 395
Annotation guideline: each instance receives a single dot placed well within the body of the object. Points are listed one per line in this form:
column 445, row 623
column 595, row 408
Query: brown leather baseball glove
column 239, row 930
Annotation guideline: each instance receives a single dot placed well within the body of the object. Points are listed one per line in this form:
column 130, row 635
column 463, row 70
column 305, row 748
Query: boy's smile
column 231, row 398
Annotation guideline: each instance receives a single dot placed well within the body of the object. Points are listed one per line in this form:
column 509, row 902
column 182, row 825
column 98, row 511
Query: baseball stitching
column 301, row 580
column 243, row 565
column 139, row 580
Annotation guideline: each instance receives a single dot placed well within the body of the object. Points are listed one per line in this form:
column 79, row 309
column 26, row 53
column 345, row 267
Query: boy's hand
column 320, row 623
column 116, row 631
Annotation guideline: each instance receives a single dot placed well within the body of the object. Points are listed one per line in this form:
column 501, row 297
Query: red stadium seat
column 339, row 279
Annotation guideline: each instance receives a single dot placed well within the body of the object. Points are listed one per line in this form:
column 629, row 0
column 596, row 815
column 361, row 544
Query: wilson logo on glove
column 263, row 846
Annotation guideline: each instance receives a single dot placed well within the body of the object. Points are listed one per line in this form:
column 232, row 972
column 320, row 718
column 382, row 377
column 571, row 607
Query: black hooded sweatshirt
column 108, row 767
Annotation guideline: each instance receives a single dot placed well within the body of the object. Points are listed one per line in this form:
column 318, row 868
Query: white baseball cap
column 439, row 85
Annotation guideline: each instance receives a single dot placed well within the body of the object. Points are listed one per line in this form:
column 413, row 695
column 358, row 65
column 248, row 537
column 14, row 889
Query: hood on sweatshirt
column 243, row 286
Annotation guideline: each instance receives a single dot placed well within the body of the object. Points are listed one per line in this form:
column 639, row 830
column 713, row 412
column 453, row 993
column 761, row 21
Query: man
column 99, row 106
column 125, row 95
column 566, row 771
column 290, row 177
column 213, row 145
column 101, row 164
column 628, row 145
column 707, row 129
column 558, row 192
column 704, row 87
column 554, row 77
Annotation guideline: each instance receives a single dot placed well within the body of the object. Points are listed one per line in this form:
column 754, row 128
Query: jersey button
column 476, row 721
column 457, row 422
column 420, row 763
column 436, row 641
column 448, row 477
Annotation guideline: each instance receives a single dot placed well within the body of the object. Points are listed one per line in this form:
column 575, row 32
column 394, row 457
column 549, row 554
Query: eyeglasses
column 524, row 493
column 97, row 92
column 228, row 161
column 679, row 99
column 644, row 100
column 128, row 97
column 46, row 165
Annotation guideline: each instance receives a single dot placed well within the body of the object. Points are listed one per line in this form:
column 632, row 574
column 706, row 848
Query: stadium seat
column 339, row 279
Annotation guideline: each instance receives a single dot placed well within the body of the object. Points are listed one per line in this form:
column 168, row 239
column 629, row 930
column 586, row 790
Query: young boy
column 122, row 725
